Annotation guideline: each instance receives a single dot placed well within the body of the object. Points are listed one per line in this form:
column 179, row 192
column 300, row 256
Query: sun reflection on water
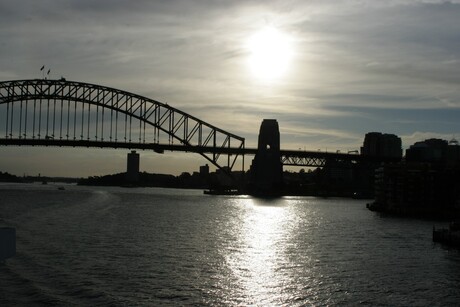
column 257, row 263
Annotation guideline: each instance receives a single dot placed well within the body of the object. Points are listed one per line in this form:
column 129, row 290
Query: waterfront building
column 427, row 183
column 221, row 178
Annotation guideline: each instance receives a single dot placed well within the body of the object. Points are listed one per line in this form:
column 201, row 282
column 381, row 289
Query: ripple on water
column 114, row 246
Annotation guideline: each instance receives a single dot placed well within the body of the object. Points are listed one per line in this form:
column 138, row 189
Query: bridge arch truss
column 67, row 113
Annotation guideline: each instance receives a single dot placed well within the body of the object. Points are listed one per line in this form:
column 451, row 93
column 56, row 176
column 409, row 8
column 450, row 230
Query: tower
column 132, row 170
column 267, row 170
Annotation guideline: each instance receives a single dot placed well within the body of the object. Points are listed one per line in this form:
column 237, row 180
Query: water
column 115, row 246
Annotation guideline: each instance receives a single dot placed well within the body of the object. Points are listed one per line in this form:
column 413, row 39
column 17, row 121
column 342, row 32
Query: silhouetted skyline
column 354, row 67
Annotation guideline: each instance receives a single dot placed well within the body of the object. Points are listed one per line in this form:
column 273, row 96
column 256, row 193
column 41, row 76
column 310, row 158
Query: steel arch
column 52, row 113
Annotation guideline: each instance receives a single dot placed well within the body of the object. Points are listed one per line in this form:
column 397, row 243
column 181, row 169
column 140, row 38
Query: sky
column 347, row 67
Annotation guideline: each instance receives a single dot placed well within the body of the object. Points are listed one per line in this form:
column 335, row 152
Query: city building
column 204, row 170
column 382, row 145
column 132, row 169
column 417, row 189
column 426, row 184
column 434, row 151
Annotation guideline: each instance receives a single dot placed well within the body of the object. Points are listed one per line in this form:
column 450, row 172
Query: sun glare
column 270, row 54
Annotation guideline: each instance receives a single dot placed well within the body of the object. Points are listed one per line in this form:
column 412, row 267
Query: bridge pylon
column 266, row 168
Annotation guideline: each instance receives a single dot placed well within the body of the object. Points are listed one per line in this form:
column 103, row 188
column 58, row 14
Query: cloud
column 359, row 66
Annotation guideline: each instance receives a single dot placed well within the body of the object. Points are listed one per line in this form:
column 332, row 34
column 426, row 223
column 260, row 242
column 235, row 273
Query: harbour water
column 117, row 246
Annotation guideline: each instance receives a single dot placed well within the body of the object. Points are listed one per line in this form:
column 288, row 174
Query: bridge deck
column 75, row 114
column 288, row 157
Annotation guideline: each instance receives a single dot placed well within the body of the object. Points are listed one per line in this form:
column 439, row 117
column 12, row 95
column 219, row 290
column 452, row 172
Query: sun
column 269, row 53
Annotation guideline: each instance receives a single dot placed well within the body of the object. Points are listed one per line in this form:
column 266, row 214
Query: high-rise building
column 204, row 170
column 382, row 145
column 132, row 170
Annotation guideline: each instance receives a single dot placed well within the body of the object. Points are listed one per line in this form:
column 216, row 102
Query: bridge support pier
column 266, row 168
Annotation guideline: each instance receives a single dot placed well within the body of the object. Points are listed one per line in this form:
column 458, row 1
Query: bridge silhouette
column 43, row 112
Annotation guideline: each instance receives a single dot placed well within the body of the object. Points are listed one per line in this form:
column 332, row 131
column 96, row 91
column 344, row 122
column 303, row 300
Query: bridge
column 43, row 112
